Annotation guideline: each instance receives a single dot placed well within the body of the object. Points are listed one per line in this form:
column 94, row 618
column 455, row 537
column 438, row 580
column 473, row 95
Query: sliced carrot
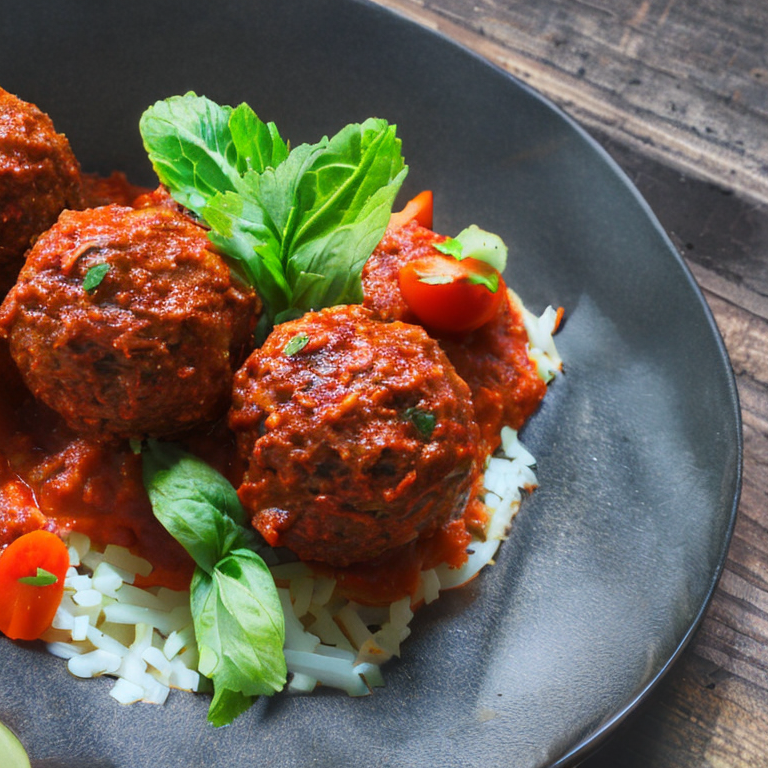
column 32, row 573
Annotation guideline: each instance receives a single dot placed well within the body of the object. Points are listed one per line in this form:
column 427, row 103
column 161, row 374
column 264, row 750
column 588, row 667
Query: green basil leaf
column 259, row 145
column 42, row 578
column 236, row 610
column 302, row 223
column 194, row 503
column 425, row 421
column 239, row 625
column 352, row 179
column 227, row 705
column 94, row 276
column 190, row 145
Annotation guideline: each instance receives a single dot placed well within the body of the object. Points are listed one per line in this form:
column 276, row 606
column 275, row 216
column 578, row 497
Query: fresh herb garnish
column 296, row 344
column 424, row 421
column 491, row 282
column 476, row 243
column 42, row 578
column 94, row 276
column 302, row 223
column 238, row 618
column 451, row 247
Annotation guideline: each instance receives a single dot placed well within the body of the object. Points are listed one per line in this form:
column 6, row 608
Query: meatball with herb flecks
column 128, row 323
column 39, row 177
column 358, row 436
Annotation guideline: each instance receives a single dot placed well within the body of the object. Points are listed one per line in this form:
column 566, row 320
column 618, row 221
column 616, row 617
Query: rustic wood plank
column 684, row 82
column 699, row 718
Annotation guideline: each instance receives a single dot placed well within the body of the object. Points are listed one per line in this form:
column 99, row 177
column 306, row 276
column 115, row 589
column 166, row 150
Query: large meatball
column 128, row 323
column 39, row 177
column 358, row 436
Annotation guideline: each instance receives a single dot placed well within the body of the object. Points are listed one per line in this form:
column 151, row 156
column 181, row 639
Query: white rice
column 145, row 637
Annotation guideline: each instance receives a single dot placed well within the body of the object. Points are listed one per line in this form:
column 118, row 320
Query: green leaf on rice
column 237, row 614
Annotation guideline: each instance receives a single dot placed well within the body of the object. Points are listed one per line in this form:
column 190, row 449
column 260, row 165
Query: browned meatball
column 356, row 442
column 39, row 177
column 148, row 350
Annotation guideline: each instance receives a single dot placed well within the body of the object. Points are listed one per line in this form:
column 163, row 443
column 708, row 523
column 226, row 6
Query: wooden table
column 677, row 92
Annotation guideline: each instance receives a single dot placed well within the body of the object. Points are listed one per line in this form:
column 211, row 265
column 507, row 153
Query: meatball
column 358, row 436
column 39, row 177
column 493, row 359
column 128, row 323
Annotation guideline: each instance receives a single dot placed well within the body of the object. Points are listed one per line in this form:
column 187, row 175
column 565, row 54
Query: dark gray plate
column 610, row 563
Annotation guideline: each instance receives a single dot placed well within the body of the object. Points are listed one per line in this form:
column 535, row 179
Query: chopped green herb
column 296, row 344
column 94, row 276
column 42, row 578
column 424, row 421
column 491, row 282
column 451, row 247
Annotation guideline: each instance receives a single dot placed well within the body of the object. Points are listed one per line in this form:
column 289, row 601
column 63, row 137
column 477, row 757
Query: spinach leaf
column 238, row 618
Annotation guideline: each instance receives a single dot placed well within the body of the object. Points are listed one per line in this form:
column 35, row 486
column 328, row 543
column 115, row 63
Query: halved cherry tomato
column 451, row 295
column 27, row 609
column 419, row 208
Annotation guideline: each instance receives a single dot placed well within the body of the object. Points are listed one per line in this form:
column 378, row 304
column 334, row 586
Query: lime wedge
column 12, row 754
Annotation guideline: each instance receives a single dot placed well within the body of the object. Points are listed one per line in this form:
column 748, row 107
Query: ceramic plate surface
column 610, row 563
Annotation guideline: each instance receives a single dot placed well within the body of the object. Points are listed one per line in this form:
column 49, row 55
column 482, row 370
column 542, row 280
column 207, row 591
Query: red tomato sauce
column 395, row 574
column 54, row 480
column 51, row 479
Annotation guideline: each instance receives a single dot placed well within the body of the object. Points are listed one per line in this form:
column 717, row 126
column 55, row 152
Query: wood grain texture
column 683, row 81
column 677, row 92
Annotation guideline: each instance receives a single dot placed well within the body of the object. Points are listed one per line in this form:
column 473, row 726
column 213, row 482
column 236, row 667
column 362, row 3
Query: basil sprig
column 300, row 223
column 238, row 618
